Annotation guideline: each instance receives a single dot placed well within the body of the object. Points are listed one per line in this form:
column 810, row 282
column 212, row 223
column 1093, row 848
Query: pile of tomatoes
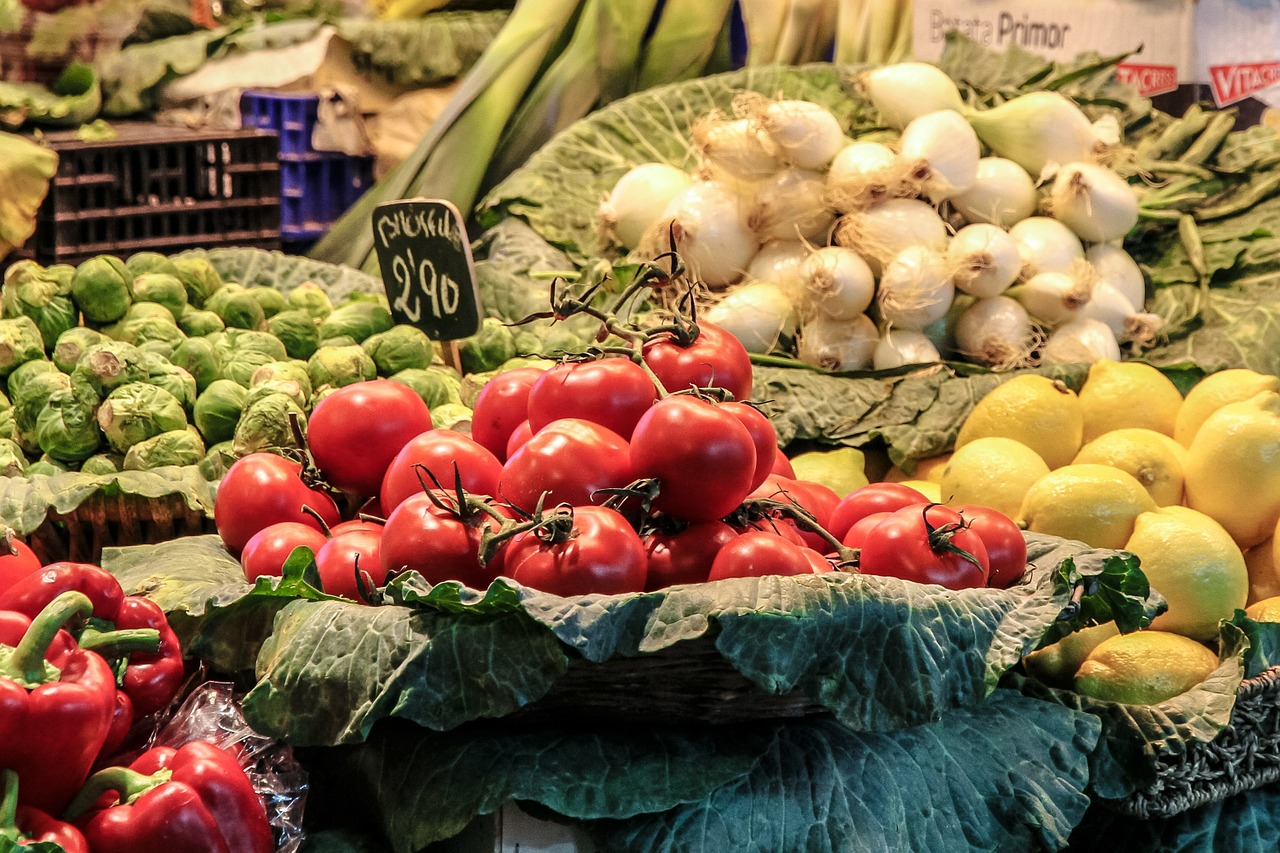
column 588, row 477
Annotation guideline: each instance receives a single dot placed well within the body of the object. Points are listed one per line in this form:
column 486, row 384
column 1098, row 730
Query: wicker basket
column 104, row 521
column 1245, row 755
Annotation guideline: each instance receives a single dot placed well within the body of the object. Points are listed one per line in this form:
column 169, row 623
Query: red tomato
column 502, row 405
column 612, row 392
column 715, row 359
column 570, row 459
column 519, row 436
column 356, row 431
column 821, row 565
column 438, row 450
column 784, row 527
column 856, row 536
column 701, row 455
column 355, row 524
column 262, row 489
column 266, row 551
column 820, row 501
column 1006, row 548
column 874, row 497
column 340, row 557
column 763, row 436
column 15, row 567
column 603, row 555
column 685, row 557
column 927, row 543
column 422, row 537
column 782, row 465
column 757, row 553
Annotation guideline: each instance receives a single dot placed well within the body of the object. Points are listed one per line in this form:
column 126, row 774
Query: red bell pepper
column 24, row 825
column 56, row 702
column 152, row 678
column 195, row 799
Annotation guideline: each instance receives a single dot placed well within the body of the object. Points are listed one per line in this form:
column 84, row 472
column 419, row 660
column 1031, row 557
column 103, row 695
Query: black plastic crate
column 159, row 189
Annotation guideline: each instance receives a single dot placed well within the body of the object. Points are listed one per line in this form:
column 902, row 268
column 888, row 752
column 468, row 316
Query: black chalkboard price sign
column 427, row 268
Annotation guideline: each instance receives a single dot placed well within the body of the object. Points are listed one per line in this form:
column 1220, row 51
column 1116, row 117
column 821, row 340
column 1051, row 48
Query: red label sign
column 1232, row 83
column 1148, row 79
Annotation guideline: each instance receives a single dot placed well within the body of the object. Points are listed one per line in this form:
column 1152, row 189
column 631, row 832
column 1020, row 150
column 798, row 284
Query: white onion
column 838, row 344
column 996, row 332
column 638, row 200
column 1053, row 297
column 1082, row 340
column 881, row 231
column 757, row 313
column 1039, row 131
column 1046, row 245
column 903, row 346
column 710, row 232
column 863, row 174
column 905, row 90
column 941, row 153
column 790, row 205
column 837, row 283
column 781, row 262
column 984, row 259
column 807, row 135
column 1125, row 322
column 915, row 289
column 1002, row 194
column 1117, row 268
column 1094, row 202
column 736, row 146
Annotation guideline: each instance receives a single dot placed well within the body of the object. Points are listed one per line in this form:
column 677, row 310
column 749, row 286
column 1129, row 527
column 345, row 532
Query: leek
column 621, row 30
column 762, row 20
column 683, row 42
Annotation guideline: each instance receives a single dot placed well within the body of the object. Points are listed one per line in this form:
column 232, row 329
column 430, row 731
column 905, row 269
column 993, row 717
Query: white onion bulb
column 1002, row 194
column 904, row 90
column 941, row 153
column 883, row 230
column 863, row 174
column 1046, row 245
column 710, row 232
column 807, row 135
column 1054, row 297
column 898, row 347
column 984, row 259
column 1117, row 268
column 1094, row 202
column 996, row 332
column 639, row 199
column 915, row 289
column 1125, row 322
column 791, row 205
column 1082, row 340
column 738, row 147
column 837, row 283
column 757, row 313
column 838, row 345
column 781, row 262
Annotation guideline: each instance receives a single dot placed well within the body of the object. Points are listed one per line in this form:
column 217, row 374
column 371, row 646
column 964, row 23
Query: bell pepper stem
column 126, row 783
column 9, row 805
column 117, row 644
column 27, row 664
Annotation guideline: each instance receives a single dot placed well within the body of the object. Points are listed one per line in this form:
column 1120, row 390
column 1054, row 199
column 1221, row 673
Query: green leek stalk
column 683, row 42
column 806, row 32
column 621, row 30
column 762, row 20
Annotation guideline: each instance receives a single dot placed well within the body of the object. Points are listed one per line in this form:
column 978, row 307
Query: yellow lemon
column 1095, row 504
column 1056, row 665
column 994, row 472
column 1195, row 565
column 1215, row 391
column 1267, row 610
column 929, row 489
column 1146, row 454
column 1127, row 394
column 1264, row 579
column 1233, row 468
column 1144, row 668
column 842, row 470
column 1042, row 413
column 926, row 469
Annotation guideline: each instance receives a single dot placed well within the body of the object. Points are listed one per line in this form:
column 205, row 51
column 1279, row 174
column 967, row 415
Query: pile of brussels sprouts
column 133, row 365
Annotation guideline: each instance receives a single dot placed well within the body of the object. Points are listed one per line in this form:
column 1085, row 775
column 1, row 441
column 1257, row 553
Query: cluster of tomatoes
column 588, row 477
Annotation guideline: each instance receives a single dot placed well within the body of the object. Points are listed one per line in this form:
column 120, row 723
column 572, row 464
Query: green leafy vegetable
column 425, row 51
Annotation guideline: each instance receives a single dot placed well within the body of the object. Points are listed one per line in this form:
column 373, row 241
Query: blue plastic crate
column 291, row 116
column 317, row 189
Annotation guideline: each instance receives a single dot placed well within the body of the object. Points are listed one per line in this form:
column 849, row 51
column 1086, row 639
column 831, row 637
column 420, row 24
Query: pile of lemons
column 1191, row 486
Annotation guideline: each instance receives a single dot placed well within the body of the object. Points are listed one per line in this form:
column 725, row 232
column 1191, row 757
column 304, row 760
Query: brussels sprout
column 162, row 289
column 66, row 429
column 339, row 341
column 30, row 399
column 291, row 388
column 488, row 348
column 142, row 311
column 295, row 371
column 101, row 289
column 239, row 310
column 266, row 424
column 526, row 361
column 138, row 411
column 72, row 344
column 63, row 275
column 20, row 342
column 218, row 410
column 199, row 358
column 453, row 416
column 378, row 298
column 8, row 428
column 311, row 299
column 226, row 292
column 215, row 463
column 297, row 331
column 151, row 330
column 199, row 278
column 558, row 340
column 25, row 373
column 36, row 296
column 338, row 366
column 172, row 378
column 399, row 348
column 107, row 366
column 142, row 263
column 199, row 323
column 176, row 447
column 435, row 386
column 13, row 462
column 46, row 467
column 236, row 341
column 271, row 300
column 102, row 463
column 5, row 403
column 360, row 320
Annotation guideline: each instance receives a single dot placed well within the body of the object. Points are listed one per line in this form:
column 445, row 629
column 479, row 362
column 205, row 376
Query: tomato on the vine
column 356, row 431
column 702, row 456
column 874, row 497
column 522, row 433
column 344, row 555
column 262, row 489
column 756, row 554
column 602, row 554
column 420, row 536
column 715, row 359
column 927, row 543
column 763, row 436
column 569, row 459
column 502, row 405
column 612, row 392
column 267, row 550
column 856, row 536
column 685, row 556
column 437, row 451
column 1006, row 547
column 782, row 465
